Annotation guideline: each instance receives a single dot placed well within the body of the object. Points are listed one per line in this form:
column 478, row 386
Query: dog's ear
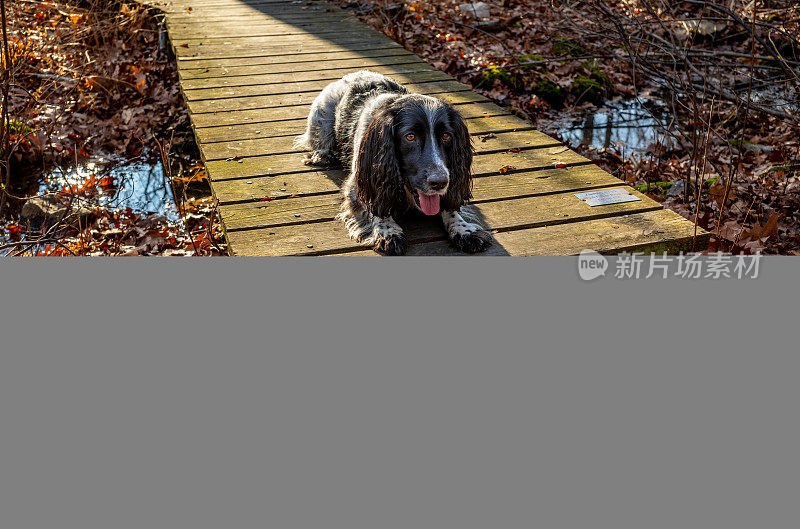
column 459, row 163
column 378, row 176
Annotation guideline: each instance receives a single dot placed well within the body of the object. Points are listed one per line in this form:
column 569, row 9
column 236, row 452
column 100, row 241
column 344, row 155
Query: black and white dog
column 404, row 152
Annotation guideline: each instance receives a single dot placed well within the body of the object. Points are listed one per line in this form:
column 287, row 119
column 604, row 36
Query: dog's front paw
column 320, row 158
column 393, row 244
column 471, row 241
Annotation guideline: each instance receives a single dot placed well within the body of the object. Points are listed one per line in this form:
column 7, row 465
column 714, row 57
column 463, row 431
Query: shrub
column 550, row 92
column 587, row 89
column 529, row 57
column 565, row 46
column 509, row 80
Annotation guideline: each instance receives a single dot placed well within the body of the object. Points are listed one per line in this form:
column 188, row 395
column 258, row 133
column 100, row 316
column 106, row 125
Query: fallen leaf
column 106, row 183
column 717, row 194
column 768, row 231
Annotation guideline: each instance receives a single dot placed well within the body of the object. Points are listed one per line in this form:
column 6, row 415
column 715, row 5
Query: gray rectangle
column 605, row 197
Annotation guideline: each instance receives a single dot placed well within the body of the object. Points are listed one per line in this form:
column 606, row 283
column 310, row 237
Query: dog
column 405, row 152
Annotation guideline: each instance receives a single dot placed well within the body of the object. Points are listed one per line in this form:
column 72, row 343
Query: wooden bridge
column 249, row 70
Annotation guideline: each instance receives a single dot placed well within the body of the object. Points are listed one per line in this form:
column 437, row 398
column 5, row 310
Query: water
column 627, row 124
column 635, row 124
column 778, row 98
column 138, row 185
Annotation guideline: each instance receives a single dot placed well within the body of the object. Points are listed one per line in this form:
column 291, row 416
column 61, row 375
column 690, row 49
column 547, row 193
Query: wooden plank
column 243, row 18
column 332, row 65
column 652, row 231
column 308, row 40
column 517, row 213
column 188, row 9
column 218, row 51
column 237, row 12
column 227, row 3
column 286, row 78
column 237, row 8
column 308, row 85
column 317, row 208
column 525, row 181
column 276, row 145
column 185, row 63
column 266, row 8
column 212, row 35
column 275, row 165
column 480, row 124
column 178, row 5
column 363, row 34
column 259, row 22
column 202, row 30
column 450, row 91
column 295, row 110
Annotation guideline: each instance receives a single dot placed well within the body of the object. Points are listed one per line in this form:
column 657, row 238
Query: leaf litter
column 93, row 99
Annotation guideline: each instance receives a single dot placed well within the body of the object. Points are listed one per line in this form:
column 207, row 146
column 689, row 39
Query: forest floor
column 692, row 97
column 102, row 157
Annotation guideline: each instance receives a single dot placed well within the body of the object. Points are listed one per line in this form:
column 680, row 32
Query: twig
column 735, row 168
column 5, row 122
column 168, row 177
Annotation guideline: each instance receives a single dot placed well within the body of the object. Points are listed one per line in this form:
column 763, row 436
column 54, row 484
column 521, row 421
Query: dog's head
column 418, row 146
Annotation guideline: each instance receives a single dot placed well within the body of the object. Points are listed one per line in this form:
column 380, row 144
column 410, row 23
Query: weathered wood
column 652, row 231
column 305, row 41
column 202, row 30
column 493, row 190
column 289, row 78
column 308, row 85
column 450, row 91
column 272, row 166
column 239, row 13
column 498, row 142
column 329, row 66
column 249, row 70
column 523, row 182
column 324, row 31
column 190, row 63
column 517, row 213
column 480, row 124
column 243, row 18
column 222, row 51
column 222, row 118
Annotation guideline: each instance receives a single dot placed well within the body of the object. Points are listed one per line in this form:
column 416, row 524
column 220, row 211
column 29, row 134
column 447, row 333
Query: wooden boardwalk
column 249, row 70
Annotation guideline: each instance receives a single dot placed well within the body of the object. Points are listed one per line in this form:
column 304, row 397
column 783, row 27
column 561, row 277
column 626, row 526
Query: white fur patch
column 455, row 224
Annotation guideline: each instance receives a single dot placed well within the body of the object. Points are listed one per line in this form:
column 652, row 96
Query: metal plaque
column 605, row 197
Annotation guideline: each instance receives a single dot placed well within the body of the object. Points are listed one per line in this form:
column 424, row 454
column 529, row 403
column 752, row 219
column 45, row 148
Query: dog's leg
column 383, row 234
column 319, row 136
column 465, row 236
column 388, row 237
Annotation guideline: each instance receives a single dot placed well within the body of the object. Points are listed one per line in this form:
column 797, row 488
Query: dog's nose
column 437, row 183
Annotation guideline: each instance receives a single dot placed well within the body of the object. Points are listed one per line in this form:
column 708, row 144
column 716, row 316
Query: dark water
column 139, row 185
column 629, row 125
column 778, row 98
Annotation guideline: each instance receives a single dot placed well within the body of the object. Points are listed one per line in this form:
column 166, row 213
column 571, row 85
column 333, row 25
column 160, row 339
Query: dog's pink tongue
column 429, row 203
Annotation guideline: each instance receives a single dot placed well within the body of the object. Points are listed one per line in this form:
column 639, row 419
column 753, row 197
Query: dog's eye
column 446, row 136
column 411, row 136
